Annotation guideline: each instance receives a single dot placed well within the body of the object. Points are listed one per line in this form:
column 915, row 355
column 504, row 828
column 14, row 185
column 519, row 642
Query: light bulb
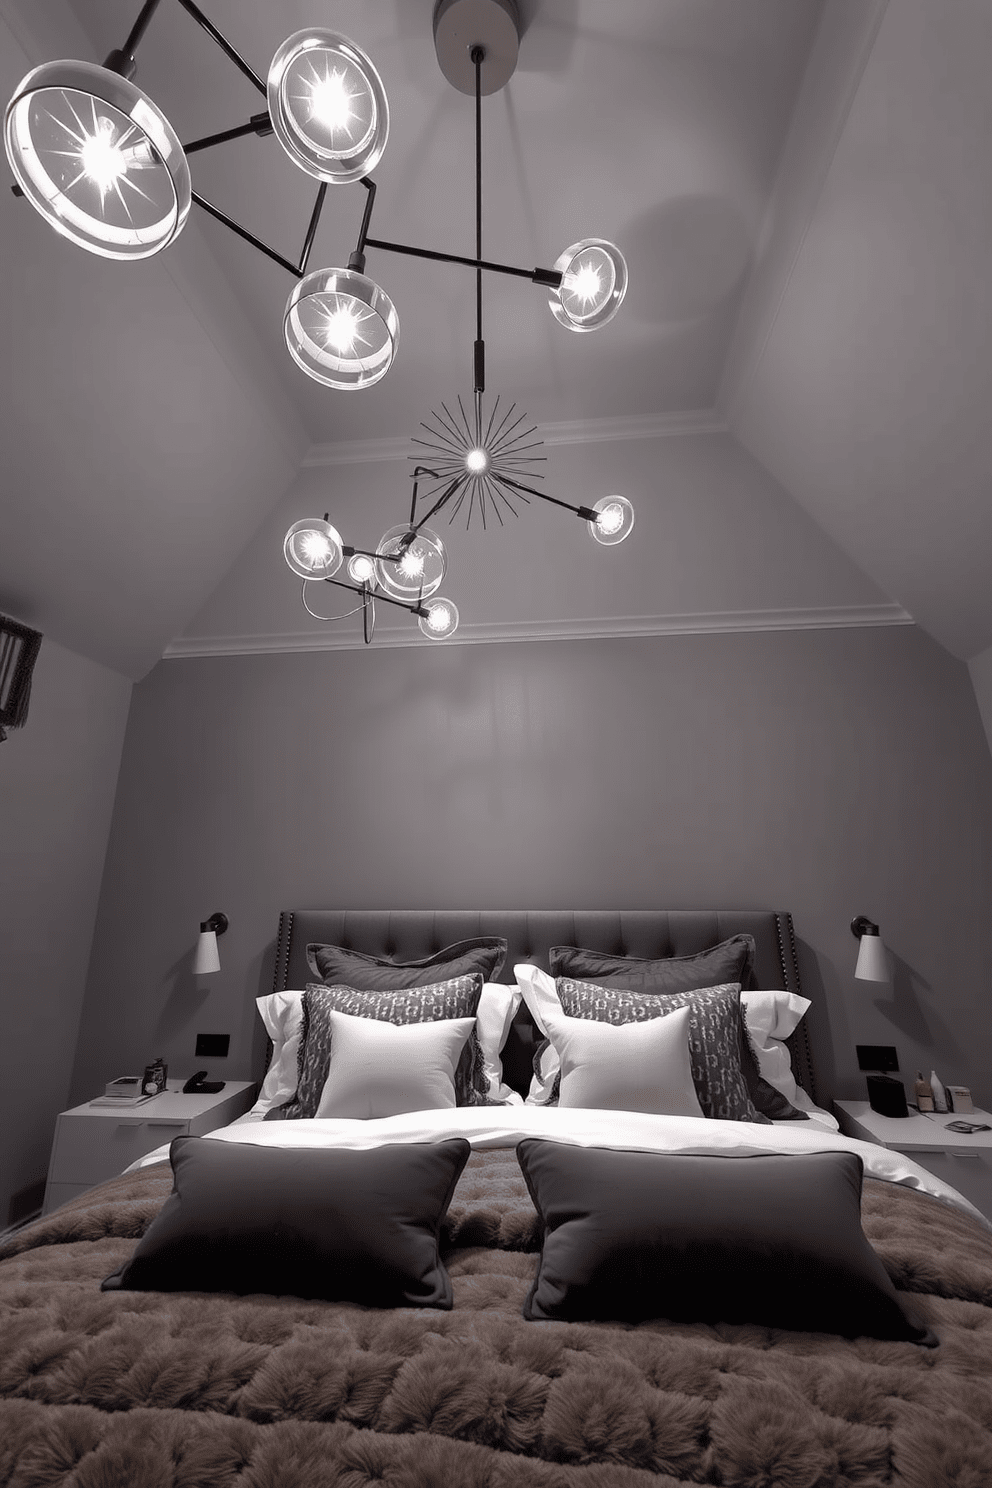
column 410, row 564
column 593, row 284
column 361, row 568
column 327, row 105
column 614, row 520
column 477, row 460
column 440, row 621
column 341, row 328
column 97, row 159
column 312, row 548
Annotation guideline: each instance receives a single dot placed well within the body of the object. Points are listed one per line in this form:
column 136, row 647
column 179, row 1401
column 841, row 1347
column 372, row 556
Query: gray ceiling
column 802, row 194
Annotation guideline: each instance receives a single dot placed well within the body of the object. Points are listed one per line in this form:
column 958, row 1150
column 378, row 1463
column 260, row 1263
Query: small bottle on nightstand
column 924, row 1093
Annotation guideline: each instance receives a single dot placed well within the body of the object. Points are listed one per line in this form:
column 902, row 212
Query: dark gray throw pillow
column 773, row 1240
column 340, row 1225
column 730, row 961
column 456, row 998
column 338, row 966
column 716, row 1036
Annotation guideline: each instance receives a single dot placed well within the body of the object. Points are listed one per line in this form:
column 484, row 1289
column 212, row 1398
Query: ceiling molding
column 571, row 431
column 839, row 617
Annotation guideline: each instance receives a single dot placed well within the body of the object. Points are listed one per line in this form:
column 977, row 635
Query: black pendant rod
column 224, row 44
column 478, row 54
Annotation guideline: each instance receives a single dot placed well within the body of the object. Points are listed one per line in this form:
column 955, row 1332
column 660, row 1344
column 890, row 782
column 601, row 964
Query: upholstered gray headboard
column 409, row 934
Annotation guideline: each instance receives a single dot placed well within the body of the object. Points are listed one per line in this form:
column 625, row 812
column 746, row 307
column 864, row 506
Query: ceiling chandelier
column 99, row 160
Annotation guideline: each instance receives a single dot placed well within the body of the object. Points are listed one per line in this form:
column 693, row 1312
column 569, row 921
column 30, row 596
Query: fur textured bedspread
column 151, row 1390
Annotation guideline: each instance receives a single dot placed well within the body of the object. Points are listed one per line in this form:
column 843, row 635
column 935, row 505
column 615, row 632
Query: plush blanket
column 148, row 1390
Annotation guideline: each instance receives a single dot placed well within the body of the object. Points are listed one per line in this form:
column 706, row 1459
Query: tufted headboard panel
column 409, row 934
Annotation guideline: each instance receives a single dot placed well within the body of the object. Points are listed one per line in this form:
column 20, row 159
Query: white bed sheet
column 504, row 1126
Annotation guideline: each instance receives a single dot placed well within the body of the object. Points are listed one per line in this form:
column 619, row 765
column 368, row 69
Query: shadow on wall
column 818, row 1019
column 904, row 1009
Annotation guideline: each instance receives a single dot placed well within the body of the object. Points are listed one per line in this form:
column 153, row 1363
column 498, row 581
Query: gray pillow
column 331, row 1223
column 455, row 998
column 730, row 961
column 773, row 1240
column 715, row 1036
column 338, row 966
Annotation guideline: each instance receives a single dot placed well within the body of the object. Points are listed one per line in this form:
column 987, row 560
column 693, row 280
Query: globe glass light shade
column 313, row 548
column 98, row 160
column 341, row 329
column 616, row 518
column 441, row 620
column 327, row 105
column 361, row 569
column 410, row 565
column 594, row 282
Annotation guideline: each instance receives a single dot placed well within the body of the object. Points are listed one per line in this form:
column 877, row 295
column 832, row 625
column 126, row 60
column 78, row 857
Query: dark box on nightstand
column 887, row 1096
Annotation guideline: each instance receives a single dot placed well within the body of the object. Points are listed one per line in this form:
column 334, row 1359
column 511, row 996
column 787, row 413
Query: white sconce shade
column 206, row 958
column 410, row 565
column 328, row 106
column 97, row 158
column 341, row 329
column 441, row 620
column 615, row 520
column 873, row 960
column 313, row 548
column 594, row 282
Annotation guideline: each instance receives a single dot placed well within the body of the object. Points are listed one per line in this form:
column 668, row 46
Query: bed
column 260, row 1385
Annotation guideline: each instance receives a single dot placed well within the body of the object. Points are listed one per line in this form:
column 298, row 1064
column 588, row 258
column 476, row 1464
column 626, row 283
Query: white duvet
column 505, row 1126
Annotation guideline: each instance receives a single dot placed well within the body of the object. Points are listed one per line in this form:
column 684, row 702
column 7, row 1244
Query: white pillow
column 282, row 1014
column 626, row 1066
column 541, row 996
column 494, row 1015
column 384, row 1069
column 771, row 1017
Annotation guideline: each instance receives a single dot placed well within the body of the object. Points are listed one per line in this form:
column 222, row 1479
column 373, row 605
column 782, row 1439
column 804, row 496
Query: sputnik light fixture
column 100, row 161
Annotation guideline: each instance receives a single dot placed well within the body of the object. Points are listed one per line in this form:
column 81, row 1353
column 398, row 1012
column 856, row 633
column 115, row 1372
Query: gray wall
column 57, row 780
column 828, row 772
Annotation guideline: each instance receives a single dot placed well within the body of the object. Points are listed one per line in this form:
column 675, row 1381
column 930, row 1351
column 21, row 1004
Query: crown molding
column 839, row 617
column 571, row 431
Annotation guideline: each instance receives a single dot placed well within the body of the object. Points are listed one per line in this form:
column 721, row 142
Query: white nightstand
column 96, row 1142
column 962, row 1161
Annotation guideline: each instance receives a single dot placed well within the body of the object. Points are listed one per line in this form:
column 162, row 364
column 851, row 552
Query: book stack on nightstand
column 97, row 1141
column 963, row 1161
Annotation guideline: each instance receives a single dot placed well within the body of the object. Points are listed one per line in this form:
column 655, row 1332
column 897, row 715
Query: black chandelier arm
column 414, row 609
column 121, row 60
column 418, row 471
column 297, row 270
column 243, row 232
column 551, row 277
column 224, row 44
column 585, row 512
column 259, row 124
column 363, row 232
column 444, row 497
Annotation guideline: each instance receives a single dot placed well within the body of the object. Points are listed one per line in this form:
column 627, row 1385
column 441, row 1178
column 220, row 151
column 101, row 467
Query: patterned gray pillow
column 715, row 1035
column 456, row 998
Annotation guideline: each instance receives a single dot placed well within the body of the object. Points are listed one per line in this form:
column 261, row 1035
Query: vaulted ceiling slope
column 801, row 189
column 864, row 378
